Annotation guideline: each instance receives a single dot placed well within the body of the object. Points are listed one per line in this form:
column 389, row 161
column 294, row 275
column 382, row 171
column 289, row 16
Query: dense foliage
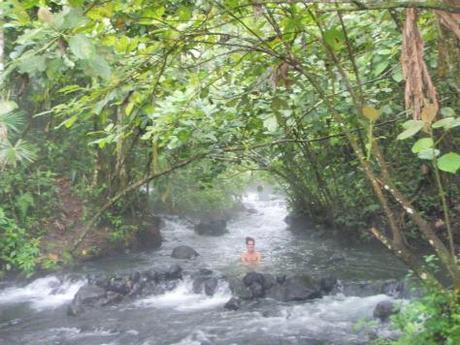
column 176, row 97
column 431, row 320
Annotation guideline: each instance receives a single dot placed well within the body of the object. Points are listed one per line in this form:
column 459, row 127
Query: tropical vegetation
column 351, row 106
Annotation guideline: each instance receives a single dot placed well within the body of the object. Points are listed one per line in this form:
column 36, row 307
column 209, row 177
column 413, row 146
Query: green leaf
column 121, row 45
column 422, row 144
column 334, row 38
column 370, row 113
column 129, row 108
column 443, row 122
column 76, row 3
column 99, row 66
column 32, row 64
column 74, row 18
column 381, row 66
column 67, row 123
column 455, row 123
column 428, row 154
column 397, row 75
column 412, row 127
column 447, row 112
column 82, row 47
column 7, row 107
column 69, row 89
column 18, row 12
column 184, row 13
column 449, row 162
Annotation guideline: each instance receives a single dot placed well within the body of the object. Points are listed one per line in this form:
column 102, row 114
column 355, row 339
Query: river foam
column 43, row 293
column 182, row 298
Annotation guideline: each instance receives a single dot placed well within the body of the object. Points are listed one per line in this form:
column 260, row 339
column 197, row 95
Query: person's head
column 250, row 244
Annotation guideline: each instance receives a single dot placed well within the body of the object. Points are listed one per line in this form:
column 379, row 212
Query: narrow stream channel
column 36, row 313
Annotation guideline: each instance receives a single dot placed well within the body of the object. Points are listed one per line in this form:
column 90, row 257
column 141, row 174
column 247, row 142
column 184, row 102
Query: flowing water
column 35, row 313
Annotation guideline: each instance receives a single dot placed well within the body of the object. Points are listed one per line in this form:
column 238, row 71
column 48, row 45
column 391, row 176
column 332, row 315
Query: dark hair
column 249, row 239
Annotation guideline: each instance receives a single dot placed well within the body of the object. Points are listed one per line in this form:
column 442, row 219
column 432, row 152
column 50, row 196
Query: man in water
column 250, row 257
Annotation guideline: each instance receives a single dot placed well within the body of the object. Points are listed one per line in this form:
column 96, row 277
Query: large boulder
column 256, row 283
column 239, row 289
column 88, row 295
column 211, row 227
column 300, row 288
column 171, row 272
column 184, row 252
column 328, row 284
column 147, row 235
column 112, row 289
column 384, row 309
column 294, row 288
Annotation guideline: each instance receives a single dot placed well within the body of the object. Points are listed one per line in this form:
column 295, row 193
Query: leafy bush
column 17, row 249
column 431, row 320
column 28, row 196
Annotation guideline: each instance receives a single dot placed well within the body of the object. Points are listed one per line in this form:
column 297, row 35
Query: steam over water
column 35, row 313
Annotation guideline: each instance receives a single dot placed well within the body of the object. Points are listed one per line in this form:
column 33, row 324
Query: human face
column 250, row 246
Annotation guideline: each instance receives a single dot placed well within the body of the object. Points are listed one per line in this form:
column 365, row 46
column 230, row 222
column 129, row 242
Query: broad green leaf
column 101, row 12
column 370, row 113
column 18, row 12
column 82, row 47
column 422, row 144
column 121, row 45
column 32, row 64
column 446, row 122
column 74, row 18
column 412, row 127
column 381, row 66
column 99, row 66
column 184, row 13
column 449, row 162
column 428, row 154
column 455, row 123
column 68, row 122
column 231, row 3
column 397, row 75
column 129, row 108
column 7, row 107
column 447, row 112
column 334, row 38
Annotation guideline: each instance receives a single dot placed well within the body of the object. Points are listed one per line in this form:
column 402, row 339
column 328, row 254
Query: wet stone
column 184, row 252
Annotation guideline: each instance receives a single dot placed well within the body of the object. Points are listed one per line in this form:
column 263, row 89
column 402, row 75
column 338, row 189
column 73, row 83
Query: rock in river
column 184, row 252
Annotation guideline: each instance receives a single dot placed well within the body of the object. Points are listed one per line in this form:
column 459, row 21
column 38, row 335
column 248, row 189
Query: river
column 35, row 313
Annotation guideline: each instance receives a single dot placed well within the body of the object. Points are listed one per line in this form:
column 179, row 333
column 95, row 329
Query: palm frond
column 12, row 121
column 20, row 152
